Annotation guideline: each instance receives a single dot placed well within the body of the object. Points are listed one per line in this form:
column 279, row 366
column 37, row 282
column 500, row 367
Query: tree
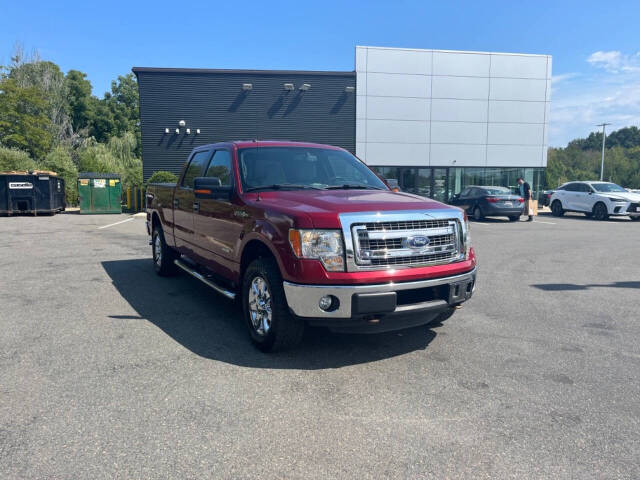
column 24, row 120
column 97, row 158
column 79, row 99
column 48, row 78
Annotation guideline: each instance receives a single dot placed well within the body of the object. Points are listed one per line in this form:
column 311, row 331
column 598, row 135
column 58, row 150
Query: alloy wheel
column 157, row 250
column 260, row 306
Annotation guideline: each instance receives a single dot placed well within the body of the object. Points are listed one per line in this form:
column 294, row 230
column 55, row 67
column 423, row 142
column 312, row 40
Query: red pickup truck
column 304, row 233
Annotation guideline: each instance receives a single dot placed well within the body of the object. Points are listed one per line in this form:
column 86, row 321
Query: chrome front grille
column 407, row 243
column 406, row 225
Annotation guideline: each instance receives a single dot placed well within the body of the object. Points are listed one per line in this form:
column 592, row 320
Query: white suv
column 597, row 199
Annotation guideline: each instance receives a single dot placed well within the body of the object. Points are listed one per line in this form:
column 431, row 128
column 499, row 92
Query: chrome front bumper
column 304, row 300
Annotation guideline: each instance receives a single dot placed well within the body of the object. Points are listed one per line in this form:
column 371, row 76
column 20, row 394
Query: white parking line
column 117, row 223
column 540, row 221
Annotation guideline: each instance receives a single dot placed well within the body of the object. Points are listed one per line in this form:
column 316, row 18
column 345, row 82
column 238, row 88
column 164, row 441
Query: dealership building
column 435, row 120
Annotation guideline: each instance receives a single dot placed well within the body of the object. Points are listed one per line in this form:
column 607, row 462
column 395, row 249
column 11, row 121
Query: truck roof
column 271, row 143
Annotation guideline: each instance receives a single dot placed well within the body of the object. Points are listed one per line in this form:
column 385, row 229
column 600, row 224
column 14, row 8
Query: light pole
column 604, row 136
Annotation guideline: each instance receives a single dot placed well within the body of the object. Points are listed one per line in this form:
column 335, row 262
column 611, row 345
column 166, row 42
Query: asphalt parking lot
column 107, row 371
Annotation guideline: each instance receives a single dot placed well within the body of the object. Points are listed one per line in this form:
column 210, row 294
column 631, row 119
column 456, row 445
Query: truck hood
column 324, row 206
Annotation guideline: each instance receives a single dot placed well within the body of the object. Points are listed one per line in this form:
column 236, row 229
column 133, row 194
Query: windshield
column 274, row 168
column 497, row 191
column 608, row 187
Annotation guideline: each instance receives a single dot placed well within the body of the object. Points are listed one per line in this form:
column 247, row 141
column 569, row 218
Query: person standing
column 525, row 192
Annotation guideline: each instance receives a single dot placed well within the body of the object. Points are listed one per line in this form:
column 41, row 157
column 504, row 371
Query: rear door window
column 196, row 168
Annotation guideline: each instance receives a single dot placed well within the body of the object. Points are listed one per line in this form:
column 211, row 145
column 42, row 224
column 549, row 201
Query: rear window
column 496, row 191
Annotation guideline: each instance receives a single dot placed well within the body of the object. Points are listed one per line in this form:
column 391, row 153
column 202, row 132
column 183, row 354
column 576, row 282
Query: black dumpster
column 37, row 193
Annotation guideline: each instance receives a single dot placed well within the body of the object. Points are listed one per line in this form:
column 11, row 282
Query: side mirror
column 211, row 187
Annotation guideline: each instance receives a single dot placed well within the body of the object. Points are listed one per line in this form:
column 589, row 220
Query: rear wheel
column 556, row 208
column 514, row 218
column 163, row 255
column 600, row 211
column 477, row 214
column 271, row 325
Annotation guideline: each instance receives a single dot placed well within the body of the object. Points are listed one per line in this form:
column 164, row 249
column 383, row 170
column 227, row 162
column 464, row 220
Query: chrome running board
column 222, row 291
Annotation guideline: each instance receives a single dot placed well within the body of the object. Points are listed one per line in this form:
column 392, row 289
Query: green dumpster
column 99, row 192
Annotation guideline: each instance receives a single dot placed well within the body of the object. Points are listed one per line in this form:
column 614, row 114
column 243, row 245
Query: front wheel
column 514, row 218
column 271, row 325
column 163, row 255
column 556, row 208
column 600, row 211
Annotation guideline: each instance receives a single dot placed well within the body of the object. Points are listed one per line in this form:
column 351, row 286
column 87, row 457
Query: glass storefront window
column 443, row 183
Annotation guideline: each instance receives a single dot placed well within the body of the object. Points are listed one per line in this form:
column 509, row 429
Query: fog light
column 325, row 302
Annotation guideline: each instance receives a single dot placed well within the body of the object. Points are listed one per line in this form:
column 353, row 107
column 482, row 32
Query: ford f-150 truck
column 303, row 233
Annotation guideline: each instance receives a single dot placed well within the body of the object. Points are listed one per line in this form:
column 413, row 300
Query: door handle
column 196, row 206
column 176, row 203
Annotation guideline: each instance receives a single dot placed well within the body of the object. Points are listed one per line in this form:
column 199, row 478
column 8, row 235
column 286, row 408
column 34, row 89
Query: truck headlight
column 324, row 245
column 466, row 240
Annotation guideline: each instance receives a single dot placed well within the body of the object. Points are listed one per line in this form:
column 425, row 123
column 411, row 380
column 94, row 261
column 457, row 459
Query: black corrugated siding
column 215, row 103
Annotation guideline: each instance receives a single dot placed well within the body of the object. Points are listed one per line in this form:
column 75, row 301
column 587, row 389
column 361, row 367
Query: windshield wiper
column 281, row 186
column 352, row 186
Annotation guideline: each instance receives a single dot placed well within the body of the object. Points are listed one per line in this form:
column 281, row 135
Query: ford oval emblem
column 417, row 241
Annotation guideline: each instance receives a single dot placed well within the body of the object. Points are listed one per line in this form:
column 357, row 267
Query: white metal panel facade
column 452, row 109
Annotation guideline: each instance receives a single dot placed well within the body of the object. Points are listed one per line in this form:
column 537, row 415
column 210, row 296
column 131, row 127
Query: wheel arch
column 253, row 249
column 155, row 221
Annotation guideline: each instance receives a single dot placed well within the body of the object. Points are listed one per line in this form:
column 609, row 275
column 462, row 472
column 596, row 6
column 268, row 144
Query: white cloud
column 610, row 93
column 615, row 61
column 563, row 77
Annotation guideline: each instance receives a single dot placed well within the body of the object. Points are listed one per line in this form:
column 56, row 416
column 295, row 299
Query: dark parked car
column 544, row 199
column 489, row 202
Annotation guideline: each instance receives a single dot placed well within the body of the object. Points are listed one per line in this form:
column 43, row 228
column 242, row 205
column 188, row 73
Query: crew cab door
column 184, row 199
column 219, row 221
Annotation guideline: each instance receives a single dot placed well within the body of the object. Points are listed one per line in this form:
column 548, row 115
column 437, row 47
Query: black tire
column 284, row 330
column 556, row 208
column 514, row 218
column 162, row 263
column 477, row 214
column 635, row 219
column 588, row 214
column 600, row 211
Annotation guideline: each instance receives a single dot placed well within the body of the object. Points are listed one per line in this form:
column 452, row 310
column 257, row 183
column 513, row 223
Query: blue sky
column 595, row 45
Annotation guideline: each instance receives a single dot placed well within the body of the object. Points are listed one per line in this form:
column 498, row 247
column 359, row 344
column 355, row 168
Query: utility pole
column 604, row 136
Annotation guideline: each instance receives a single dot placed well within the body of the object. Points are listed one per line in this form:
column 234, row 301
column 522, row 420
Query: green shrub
column 14, row 159
column 163, row 177
column 59, row 160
